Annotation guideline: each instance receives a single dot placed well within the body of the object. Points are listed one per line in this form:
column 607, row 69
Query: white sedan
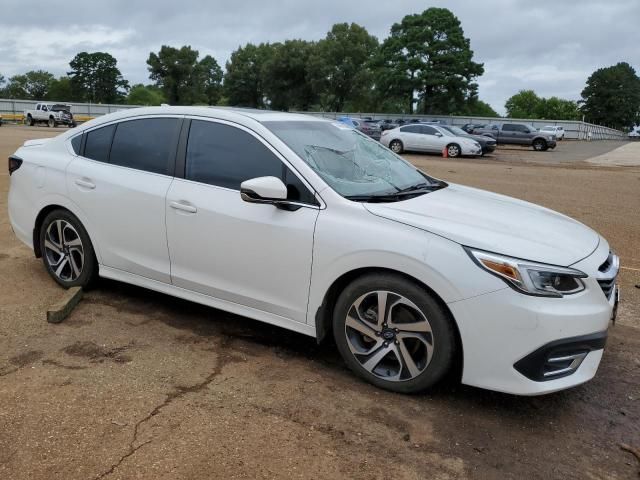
column 418, row 137
column 554, row 130
column 312, row 226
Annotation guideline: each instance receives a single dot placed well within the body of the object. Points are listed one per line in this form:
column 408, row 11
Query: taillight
column 14, row 163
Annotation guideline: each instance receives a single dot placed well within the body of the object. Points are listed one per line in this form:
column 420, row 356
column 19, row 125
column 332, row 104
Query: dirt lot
column 140, row 385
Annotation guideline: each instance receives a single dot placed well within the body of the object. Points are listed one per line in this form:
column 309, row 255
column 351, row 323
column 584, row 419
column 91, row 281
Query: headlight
column 529, row 277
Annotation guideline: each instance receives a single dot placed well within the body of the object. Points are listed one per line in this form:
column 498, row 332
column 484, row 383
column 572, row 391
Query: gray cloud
column 549, row 46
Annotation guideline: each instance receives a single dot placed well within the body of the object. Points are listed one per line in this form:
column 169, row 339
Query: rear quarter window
column 98, row 143
column 76, row 143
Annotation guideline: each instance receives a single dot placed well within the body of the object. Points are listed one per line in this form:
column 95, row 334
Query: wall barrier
column 13, row 110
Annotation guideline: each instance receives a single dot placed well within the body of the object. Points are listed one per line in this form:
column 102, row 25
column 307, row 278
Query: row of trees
column 527, row 104
column 425, row 65
column 611, row 97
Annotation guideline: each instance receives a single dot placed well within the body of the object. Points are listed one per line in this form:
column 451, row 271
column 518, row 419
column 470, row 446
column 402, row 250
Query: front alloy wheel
column 453, row 150
column 393, row 333
column 389, row 336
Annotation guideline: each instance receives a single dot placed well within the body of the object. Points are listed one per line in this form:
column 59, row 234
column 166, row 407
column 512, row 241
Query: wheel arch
column 50, row 207
column 323, row 316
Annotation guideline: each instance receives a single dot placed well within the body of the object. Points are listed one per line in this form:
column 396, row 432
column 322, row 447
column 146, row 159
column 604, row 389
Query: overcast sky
column 550, row 46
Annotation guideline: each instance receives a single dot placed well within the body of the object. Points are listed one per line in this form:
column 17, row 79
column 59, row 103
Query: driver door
column 254, row 255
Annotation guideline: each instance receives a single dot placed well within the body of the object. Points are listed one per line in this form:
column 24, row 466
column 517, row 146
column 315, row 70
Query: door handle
column 85, row 183
column 184, row 206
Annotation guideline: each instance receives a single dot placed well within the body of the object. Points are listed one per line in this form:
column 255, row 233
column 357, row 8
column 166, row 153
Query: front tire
column 396, row 146
column 539, row 145
column 51, row 123
column 407, row 349
column 453, row 150
column 67, row 251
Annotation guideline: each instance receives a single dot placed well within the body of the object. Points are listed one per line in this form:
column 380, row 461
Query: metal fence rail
column 13, row 110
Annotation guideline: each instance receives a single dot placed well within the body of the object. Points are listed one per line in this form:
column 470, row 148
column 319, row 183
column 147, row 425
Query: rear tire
column 30, row 121
column 67, row 252
column 410, row 349
column 396, row 146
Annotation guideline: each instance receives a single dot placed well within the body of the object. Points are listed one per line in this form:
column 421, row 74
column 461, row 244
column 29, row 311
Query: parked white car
column 53, row 114
column 312, row 226
column 418, row 137
column 554, row 130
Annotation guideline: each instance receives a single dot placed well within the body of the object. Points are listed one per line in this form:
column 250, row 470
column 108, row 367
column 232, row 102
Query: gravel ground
column 136, row 384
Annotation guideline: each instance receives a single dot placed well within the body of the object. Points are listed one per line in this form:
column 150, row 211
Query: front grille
column 608, row 273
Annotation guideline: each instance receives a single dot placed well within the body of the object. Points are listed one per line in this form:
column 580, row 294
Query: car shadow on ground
column 205, row 321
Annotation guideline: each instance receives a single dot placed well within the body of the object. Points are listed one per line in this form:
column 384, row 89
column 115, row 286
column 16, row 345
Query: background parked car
column 488, row 144
column 368, row 127
column 470, row 127
column 388, row 124
column 554, row 130
column 518, row 134
column 53, row 114
column 428, row 138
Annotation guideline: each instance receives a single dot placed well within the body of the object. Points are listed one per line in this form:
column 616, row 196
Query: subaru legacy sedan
column 310, row 225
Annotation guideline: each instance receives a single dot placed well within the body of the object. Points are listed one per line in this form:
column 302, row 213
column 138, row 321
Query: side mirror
column 263, row 190
column 438, row 134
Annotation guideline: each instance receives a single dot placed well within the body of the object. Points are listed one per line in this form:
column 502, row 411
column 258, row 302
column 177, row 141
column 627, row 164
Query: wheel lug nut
column 386, row 344
column 397, row 330
column 397, row 342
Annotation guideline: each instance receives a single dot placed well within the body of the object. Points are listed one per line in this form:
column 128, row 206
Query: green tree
column 524, row 104
column 478, row 108
column 210, row 79
column 33, row 85
column 183, row 78
column 340, row 67
column 555, row 108
column 243, row 80
column 427, row 56
column 95, row 77
column 285, row 74
column 2, row 82
column 612, row 96
column 61, row 90
column 147, row 95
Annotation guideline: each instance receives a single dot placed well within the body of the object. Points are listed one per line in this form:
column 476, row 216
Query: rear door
column 258, row 256
column 120, row 181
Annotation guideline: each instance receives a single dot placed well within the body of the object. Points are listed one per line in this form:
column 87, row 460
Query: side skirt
column 266, row 317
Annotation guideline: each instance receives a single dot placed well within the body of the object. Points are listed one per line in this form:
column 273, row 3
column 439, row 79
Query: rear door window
column 98, row 143
column 147, row 144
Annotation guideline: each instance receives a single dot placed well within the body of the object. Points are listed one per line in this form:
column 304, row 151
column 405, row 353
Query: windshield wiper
column 413, row 190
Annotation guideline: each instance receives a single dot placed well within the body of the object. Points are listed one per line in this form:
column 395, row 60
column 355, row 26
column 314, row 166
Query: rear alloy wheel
column 539, row 145
column 393, row 333
column 51, row 123
column 453, row 150
column 67, row 252
column 30, row 121
column 396, row 146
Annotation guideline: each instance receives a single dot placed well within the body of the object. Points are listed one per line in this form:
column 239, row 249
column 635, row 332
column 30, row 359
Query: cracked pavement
column 137, row 385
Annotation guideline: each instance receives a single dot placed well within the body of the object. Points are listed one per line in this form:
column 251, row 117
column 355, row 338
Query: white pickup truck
column 53, row 114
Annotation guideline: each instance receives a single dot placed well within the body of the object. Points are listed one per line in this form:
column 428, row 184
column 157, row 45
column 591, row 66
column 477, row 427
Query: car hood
column 496, row 223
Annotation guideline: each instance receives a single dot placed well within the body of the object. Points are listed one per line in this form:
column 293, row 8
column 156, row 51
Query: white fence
column 84, row 111
column 14, row 109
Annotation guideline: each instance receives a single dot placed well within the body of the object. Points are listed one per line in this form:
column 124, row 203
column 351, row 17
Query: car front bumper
column 528, row 345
